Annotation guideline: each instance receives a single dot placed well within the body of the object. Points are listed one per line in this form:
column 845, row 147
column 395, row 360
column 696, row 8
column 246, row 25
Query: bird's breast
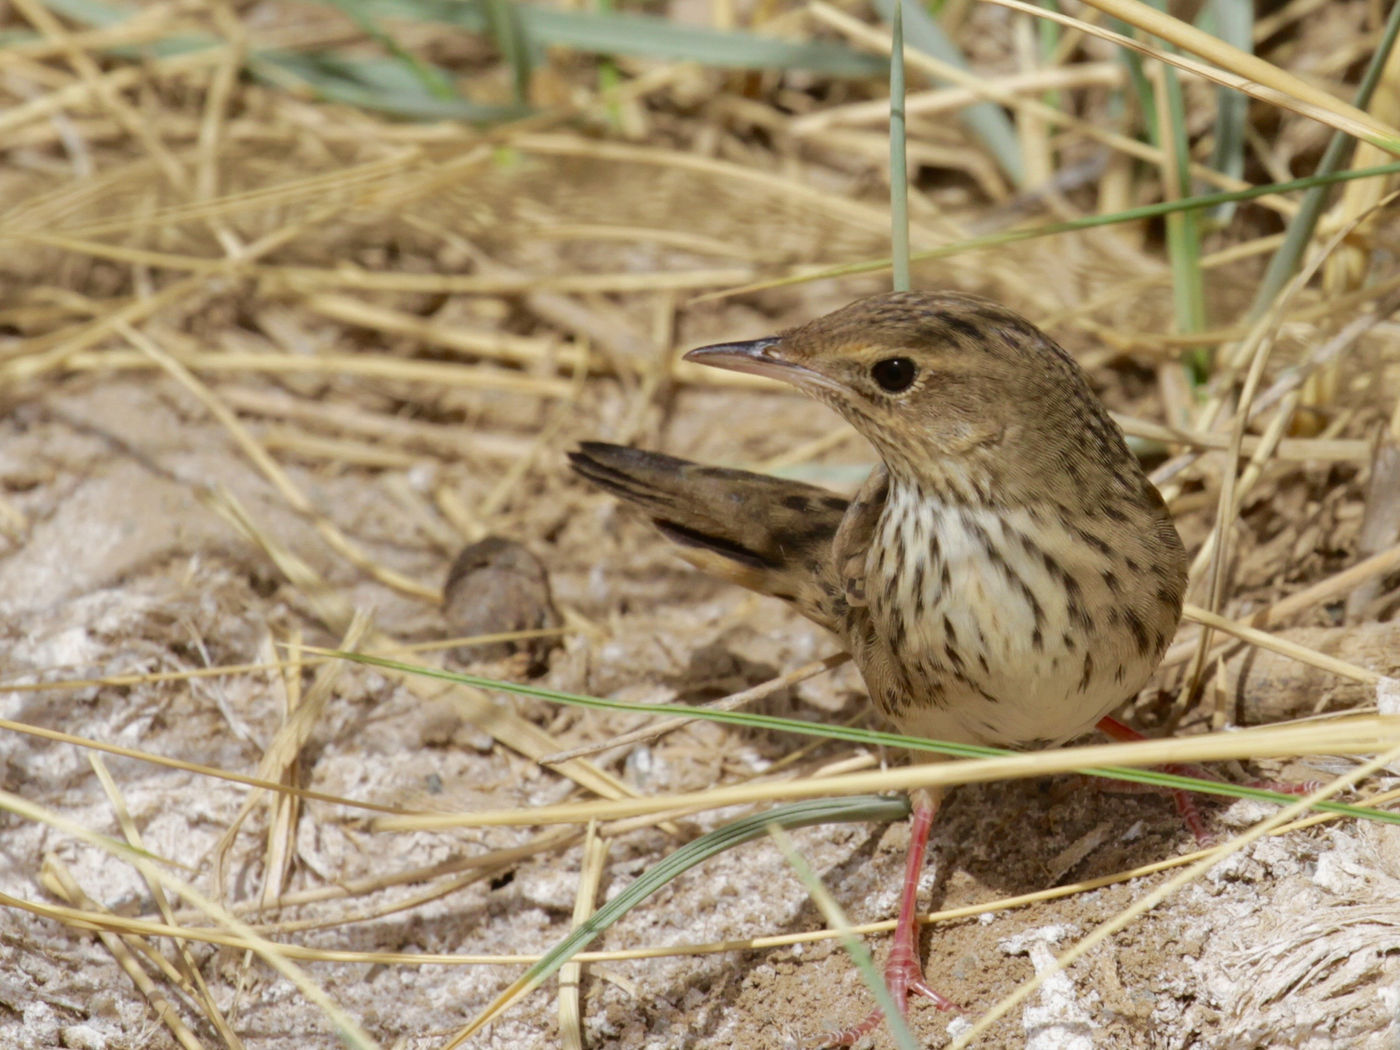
column 999, row 625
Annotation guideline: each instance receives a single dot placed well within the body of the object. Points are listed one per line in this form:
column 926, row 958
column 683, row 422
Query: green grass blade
column 374, row 84
column 851, row 734
column 899, row 167
column 90, row 12
column 1049, row 33
column 512, row 40
column 1183, row 228
column 987, row 122
column 795, row 815
column 609, row 76
column 1147, row 211
column 435, row 81
column 646, row 36
column 859, row 953
column 1233, row 22
column 416, row 90
column 1184, row 234
column 1300, row 229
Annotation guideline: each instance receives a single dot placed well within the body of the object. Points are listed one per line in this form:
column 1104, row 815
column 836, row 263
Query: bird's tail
column 767, row 534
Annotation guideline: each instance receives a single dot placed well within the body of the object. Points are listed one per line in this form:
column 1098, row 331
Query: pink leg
column 903, row 974
column 1185, row 804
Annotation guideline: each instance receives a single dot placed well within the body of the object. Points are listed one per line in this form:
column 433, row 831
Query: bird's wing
column 768, row 534
column 857, row 532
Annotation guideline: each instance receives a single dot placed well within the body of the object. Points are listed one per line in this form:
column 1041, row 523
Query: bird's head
column 935, row 378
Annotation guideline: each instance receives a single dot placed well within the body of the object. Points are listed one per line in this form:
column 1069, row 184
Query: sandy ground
column 1289, row 944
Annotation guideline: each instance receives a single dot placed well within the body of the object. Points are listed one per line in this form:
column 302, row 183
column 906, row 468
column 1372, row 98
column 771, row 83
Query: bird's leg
column 1185, row 804
column 904, row 976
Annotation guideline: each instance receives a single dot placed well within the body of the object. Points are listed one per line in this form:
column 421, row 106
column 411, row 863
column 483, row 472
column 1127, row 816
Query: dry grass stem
column 1358, row 735
column 993, row 91
column 595, row 855
column 1151, row 900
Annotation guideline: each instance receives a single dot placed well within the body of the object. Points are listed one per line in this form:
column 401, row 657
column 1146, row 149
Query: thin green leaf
column 1284, row 263
column 369, row 84
column 1184, row 235
column 985, row 120
column 435, row 81
column 1233, row 22
column 89, row 12
column 376, row 84
column 410, row 90
column 1142, row 90
column 795, row 815
column 1183, row 229
column 1048, row 35
column 852, row 734
column 644, row 36
column 899, row 167
column 860, row 955
column 512, row 39
column 1147, row 211
column 609, row 76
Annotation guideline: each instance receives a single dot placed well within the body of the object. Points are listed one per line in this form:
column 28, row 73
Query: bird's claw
column 904, row 978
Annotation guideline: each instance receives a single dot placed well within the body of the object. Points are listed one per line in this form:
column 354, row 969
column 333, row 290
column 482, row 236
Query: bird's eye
column 894, row 374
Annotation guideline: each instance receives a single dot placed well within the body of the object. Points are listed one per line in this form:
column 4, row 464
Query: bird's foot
column 904, row 978
column 1185, row 801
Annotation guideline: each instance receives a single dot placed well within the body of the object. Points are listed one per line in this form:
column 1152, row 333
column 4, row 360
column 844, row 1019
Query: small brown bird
column 1006, row 576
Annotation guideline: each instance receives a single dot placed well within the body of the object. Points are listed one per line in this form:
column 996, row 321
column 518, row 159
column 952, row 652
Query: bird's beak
column 762, row 357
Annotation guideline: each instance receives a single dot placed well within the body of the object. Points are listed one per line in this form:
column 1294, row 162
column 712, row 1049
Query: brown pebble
column 495, row 586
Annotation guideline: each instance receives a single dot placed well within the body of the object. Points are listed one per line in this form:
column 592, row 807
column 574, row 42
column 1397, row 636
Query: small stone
column 496, row 586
